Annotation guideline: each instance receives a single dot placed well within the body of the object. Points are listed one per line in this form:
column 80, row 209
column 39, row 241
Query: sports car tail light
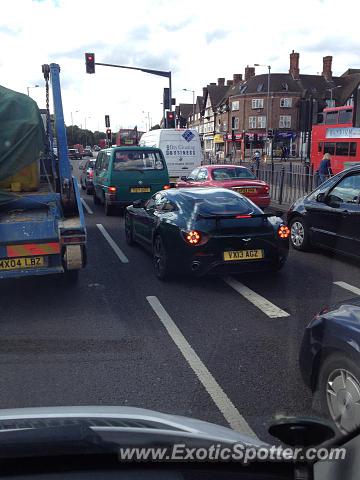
column 166, row 187
column 194, row 237
column 267, row 189
column 243, row 216
column 283, row 231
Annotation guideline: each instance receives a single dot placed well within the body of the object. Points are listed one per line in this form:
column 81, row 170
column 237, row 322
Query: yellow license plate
column 246, row 190
column 236, row 255
column 140, row 190
column 23, row 262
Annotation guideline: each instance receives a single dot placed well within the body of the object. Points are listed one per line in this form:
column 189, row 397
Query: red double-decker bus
column 127, row 137
column 334, row 134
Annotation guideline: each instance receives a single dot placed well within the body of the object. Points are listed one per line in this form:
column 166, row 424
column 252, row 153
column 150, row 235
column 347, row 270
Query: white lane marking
column 222, row 401
column 349, row 287
column 87, row 208
column 260, row 302
column 123, row 258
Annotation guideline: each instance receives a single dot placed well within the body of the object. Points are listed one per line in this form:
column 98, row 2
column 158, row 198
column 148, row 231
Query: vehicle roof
column 199, row 192
column 212, row 167
column 137, row 148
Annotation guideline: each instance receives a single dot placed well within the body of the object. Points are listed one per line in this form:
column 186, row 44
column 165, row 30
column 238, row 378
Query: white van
column 181, row 149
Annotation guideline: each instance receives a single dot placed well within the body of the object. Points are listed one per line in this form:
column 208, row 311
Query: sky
column 198, row 41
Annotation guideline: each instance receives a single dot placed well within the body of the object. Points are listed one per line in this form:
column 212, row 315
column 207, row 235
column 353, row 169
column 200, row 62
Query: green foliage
column 77, row 135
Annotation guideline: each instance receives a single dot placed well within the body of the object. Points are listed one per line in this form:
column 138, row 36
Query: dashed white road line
column 121, row 255
column 349, row 287
column 86, row 206
column 260, row 302
column 222, row 401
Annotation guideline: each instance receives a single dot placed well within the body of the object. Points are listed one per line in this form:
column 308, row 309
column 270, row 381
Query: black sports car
column 202, row 230
column 330, row 359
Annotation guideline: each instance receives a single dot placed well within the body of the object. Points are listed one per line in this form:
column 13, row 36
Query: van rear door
column 138, row 173
column 182, row 151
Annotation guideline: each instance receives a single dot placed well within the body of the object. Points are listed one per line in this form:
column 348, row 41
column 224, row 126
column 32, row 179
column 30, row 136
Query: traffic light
column 170, row 119
column 108, row 135
column 90, row 62
column 166, row 98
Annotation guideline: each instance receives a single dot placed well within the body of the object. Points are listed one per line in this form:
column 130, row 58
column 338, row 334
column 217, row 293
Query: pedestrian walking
column 325, row 170
column 256, row 162
column 283, row 153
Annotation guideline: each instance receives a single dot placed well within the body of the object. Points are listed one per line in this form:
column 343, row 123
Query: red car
column 240, row 179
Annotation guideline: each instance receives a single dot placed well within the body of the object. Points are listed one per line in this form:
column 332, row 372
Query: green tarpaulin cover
column 22, row 135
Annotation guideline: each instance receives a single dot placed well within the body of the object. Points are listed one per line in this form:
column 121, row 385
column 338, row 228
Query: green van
column 125, row 174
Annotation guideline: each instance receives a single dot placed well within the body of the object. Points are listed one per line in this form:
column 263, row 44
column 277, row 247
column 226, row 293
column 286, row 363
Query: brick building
column 237, row 117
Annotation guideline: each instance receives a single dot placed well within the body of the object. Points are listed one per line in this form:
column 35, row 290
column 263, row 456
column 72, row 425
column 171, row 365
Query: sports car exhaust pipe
column 195, row 266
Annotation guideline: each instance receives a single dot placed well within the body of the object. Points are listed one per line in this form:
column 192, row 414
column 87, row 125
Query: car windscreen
column 232, row 173
column 137, row 160
column 223, row 203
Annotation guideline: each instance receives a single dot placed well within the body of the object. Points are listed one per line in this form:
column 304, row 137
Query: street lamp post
column 193, row 102
column 28, row 89
column 268, row 116
column 72, row 126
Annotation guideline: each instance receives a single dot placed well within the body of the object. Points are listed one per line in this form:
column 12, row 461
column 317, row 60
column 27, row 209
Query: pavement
column 207, row 348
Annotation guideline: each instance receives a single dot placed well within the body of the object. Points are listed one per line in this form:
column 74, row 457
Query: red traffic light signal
column 108, row 134
column 90, row 62
column 170, row 120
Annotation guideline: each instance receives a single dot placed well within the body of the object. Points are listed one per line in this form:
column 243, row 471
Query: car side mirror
column 184, row 178
column 138, row 204
column 321, row 197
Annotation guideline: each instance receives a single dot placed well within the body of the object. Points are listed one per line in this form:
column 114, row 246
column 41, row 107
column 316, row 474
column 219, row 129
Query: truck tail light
column 71, row 240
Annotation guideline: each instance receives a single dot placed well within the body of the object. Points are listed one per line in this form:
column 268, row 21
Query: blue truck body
column 44, row 232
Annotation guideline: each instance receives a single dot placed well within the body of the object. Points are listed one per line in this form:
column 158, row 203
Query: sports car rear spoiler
column 217, row 216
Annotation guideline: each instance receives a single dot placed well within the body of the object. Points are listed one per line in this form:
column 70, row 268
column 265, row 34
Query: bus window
column 329, row 147
column 320, row 147
column 331, row 118
column 320, row 118
column 345, row 116
column 342, row 149
column 352, row 149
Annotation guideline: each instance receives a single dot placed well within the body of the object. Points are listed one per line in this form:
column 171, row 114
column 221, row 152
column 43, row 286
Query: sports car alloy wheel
column 160, row 259
column 343, row 399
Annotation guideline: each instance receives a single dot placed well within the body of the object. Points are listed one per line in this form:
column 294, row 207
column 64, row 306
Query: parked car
column 330, row 216
column 125, row 174
column 239, row 179
column 87, row 153
column 330, row 362
column 206, row 230
column 74, row 154
column 87, row 175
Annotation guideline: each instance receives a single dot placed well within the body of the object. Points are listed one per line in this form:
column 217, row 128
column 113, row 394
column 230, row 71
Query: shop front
column 234, row 144
column 285, row 138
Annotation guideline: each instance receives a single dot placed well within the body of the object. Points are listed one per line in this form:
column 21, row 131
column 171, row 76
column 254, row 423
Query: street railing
column 286, row 185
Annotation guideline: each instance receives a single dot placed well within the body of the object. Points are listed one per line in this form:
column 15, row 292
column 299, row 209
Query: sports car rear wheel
column 161, row 262
column 129, row 230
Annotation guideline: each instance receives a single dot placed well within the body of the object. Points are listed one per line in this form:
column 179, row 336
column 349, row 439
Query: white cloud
column 198, row 40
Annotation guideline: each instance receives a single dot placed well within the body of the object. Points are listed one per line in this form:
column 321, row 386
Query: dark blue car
column 330, row 362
